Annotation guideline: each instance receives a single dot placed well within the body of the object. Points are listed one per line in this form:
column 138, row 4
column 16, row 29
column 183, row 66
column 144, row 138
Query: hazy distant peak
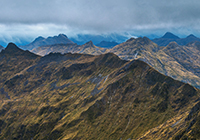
column 89, row 43
column 62, row 35
column 191, row 36
column 41, row 41
column 169, row 35
column 40, row 38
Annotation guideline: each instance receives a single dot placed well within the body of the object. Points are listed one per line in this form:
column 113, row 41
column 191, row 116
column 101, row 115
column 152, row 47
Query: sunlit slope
column 81, row 96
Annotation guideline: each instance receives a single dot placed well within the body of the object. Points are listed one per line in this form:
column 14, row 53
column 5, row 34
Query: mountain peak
column 12, row 47
column 40, row 38
column 169, row 35
column 131, row 39
column 144, row 40
column 191, row 36
column 172, row 45
column 89, row 43
column 41, row 41
column 62, row 35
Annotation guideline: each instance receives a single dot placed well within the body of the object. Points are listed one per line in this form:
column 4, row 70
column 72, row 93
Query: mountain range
column 105, row 41
column 169, row 37
column 97, row 39
column 107, row 44
column 87, row 48
column 41, row 41
column 81, row 96
column 177, row 61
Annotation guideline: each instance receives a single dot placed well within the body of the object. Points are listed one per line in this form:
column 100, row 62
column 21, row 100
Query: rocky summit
column 81, row 96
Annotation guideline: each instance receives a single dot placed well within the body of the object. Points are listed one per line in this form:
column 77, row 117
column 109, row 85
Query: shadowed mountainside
column 1, row 48
column 81, row 96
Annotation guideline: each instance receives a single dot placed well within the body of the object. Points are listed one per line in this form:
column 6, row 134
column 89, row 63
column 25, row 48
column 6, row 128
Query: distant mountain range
column 169, row 37
column 96, row 39
column 107, row 44
column 41, row 41
column 87, row 48
column 104, row 41
column 88, row 97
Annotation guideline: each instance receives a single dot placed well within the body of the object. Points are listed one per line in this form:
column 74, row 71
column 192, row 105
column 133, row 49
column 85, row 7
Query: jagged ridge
column 78, row 96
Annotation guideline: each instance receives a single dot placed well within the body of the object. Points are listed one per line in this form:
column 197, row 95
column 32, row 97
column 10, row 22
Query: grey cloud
column 104, row 15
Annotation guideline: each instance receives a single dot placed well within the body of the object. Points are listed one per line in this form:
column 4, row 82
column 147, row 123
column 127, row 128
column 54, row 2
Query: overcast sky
column 31, row 18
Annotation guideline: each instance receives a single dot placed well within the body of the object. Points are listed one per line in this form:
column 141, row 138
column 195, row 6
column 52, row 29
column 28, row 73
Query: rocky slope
column 81, row 96
column 1, row 48
column 179, row 62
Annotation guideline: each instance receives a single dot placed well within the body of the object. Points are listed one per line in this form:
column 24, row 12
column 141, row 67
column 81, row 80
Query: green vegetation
column 77, row 96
